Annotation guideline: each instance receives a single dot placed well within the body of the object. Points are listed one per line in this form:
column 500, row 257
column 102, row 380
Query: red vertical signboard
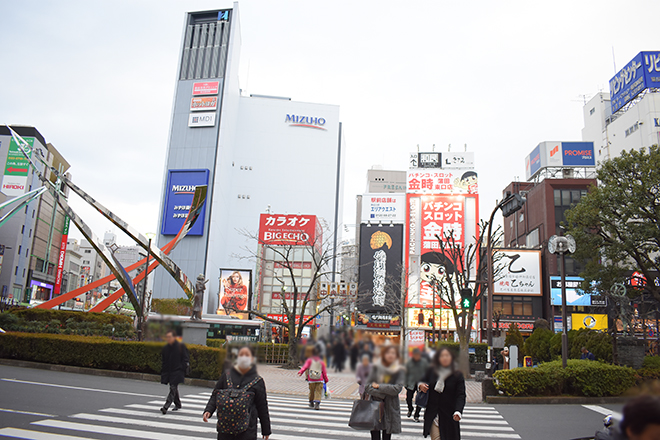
column 60, row 262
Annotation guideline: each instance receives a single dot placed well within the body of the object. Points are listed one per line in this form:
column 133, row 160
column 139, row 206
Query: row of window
column 513, row 305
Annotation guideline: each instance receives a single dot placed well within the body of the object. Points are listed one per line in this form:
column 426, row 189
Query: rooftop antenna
column 613, row 60
column 268, row 209
column 418, row 148
column 465, row 149
column 433, row 148
column 449, row 148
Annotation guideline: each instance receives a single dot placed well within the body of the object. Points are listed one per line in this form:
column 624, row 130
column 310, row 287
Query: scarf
column 385, row 373
column 443, row 374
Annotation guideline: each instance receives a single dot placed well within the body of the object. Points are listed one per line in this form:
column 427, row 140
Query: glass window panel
column 575, row 196
column 557, row 197
column 507, row 308
column 565, row 197
column 517, row 308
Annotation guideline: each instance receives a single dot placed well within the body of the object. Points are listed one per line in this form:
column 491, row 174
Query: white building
column 255, row 152
column 637, row 127
column 71, row 278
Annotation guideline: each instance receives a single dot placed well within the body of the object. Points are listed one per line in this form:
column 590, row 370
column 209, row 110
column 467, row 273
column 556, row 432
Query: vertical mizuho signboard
column 180, row 189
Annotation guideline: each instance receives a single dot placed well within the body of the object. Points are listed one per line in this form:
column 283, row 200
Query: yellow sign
column 593, row 321
column 423, row 319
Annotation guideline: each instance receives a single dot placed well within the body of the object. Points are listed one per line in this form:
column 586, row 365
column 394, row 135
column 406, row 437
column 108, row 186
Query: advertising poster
column 206, row 119
column 384, row 208
column 206, row 88
column 574, row 293
column 518, row 273
column 593, row 321
column 204, row 103
column 289, row 230
column 379, row 273
column 60, row 261
column 181, row 186
column 14, row 181
column 439, row 181
column 234, row 296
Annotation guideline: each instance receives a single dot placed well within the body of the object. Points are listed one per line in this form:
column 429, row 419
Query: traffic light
column 512, row 204
column 466, row 298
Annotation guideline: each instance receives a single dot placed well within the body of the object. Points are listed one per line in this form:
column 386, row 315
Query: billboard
column 289, row 230
column 559, row 154
column 206, row 88
column 14, row 181
column 439, row 181
column 60, row 261
column 448, row 160
column 444, row 319
column 518, row 272
column 384, row 207
column 594, row 321
column 641, row 73
column 574, row 295
column 203, row 103
column 181, row 186
column 206, row 119
column 234, row 295
column 380, row 267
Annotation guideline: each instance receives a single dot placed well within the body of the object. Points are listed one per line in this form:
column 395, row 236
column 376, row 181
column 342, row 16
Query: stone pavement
column 341, row 385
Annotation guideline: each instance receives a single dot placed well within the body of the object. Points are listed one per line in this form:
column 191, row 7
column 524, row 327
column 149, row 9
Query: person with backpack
column 239, row 398
column 316, row 377
column 175, row 363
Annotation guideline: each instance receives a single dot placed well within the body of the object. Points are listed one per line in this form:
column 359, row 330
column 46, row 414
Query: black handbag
column 367, row 415
column 422, row 399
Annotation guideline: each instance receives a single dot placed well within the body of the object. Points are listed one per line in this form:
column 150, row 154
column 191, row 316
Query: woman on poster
column 235, row 293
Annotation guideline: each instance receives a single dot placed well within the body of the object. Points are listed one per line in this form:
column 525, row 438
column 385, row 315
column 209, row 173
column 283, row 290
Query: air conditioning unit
column 567, row 173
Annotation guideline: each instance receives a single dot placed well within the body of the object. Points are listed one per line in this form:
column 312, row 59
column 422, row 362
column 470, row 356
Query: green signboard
column 17, row 164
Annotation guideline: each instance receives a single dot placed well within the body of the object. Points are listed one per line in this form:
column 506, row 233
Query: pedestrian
column 587, row 355
column 446, row 388
column 641, row 421
column 384, row 384
column 175, row 363
column 415, row 369
column 355, row 353
column 243, row 378
column 362, row 373
column 339, row 355
column 317, row 375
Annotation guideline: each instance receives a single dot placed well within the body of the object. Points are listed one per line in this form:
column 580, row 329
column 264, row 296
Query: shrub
column 579, row 378
column 171, row 306
column 105, row 353
column 514, row 337
column 651, row 362
column 68, row 323
column 538, row 345
column 597, row 342
column 46, row 315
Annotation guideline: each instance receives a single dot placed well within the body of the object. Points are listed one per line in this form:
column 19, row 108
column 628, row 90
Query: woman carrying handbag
column 384, row 384
column 446, row 397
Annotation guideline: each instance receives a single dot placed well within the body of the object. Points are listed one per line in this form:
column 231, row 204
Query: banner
column 180, row 190
column 384, row 208
column 380, row 269
column 518, row 272
column 14, row 181
column 289, row 230
column 438, row 181
column 595, row 321
column 60, row 261
column 234, row 296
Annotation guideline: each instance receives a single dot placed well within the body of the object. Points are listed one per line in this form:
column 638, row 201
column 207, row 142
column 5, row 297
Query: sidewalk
column 341, row 385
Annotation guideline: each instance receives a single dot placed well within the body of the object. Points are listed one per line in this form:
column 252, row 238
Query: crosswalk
column 291, row 418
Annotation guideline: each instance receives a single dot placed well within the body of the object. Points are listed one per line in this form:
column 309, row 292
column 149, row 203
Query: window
column 592, row 111
column 23, row 229
column 532, row 239
column 513, row 305
column 88, row 251
column 19, row 249
column 27, row 252
column 23, row 273
column 557, row 197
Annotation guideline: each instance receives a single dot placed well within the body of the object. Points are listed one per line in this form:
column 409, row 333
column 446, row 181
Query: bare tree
column 469, row 273
column 302, row 296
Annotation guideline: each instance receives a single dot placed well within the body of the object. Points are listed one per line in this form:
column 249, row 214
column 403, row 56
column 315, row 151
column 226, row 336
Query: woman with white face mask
column 243, row 376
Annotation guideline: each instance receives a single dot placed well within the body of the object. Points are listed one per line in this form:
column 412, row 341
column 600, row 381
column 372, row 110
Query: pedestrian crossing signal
column 466, row 298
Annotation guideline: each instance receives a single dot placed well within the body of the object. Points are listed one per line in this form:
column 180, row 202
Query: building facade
column 253, row 151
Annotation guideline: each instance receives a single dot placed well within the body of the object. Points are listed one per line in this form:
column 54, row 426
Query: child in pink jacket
column 316, row 377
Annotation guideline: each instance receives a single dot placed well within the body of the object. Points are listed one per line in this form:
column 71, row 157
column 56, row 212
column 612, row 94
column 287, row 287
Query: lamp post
column 511, row 204
column 561, row 245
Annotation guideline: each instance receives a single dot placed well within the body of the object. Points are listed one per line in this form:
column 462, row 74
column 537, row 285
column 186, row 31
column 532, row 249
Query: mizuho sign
column 305, row 121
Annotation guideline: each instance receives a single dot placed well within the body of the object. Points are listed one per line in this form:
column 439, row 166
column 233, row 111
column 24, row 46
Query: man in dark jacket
column 173, row 371
column 415, row 369
column 587, row 355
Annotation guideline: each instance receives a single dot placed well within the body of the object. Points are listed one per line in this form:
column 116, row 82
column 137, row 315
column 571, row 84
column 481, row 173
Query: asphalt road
column 44, row 405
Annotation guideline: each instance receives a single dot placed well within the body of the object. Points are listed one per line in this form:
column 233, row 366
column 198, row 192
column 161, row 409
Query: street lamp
column 561, row 245
column 511, row 204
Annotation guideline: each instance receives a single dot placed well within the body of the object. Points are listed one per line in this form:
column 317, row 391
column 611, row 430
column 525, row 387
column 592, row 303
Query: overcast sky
column 97, row 79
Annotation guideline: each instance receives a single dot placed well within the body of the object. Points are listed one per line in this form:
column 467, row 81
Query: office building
column 255, row 152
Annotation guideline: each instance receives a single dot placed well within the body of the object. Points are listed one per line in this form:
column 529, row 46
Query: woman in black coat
column 446, row 388
column 241, row 375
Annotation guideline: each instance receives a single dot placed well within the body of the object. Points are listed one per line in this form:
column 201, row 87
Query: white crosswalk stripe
column 291, row 418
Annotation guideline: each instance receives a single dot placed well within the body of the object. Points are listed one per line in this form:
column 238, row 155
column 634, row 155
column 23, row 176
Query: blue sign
column 578, row 154
column 180, row 189
column 535, row 160
column 641, row 73
column 574, row 295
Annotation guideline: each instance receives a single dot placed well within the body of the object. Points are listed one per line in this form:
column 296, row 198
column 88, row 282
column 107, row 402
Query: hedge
column 46, row 315
column 105, row 353
column 651, row 362
column 480, row 350
column 579, row 378
column 68, row 323
column 171, row 306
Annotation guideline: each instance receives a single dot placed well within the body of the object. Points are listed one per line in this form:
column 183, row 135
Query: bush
column 68, row 323
column 105, row 353
column 597, row 342
column 480, row 350
column 538, row 345
column 171, row 306
column 651, row 362
column 514, row 337
column 579, row 378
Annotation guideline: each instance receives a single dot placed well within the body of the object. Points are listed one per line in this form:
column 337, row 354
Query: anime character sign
column 468, row 182
column 436, row 275
column 234, row 291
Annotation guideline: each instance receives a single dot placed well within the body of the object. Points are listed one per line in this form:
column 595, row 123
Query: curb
column 106, row 373
column 556, row 400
